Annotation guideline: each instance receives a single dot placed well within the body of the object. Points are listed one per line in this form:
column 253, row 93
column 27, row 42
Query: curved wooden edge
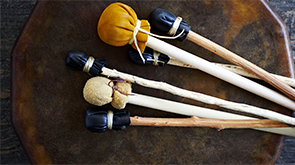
column 285, row 34
column 13, row 90
column 22, row 33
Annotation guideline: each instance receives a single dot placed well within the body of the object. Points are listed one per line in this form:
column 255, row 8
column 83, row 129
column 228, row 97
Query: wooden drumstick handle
column 219, row 72
column 190, row 110
column 201, row 122
column 239, row 61
column 100, row 120
column 153, row 57
column 237, row 70
column 98, row 92
column 165, row 22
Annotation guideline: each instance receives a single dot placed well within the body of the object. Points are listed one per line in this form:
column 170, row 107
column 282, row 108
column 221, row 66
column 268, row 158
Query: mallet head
column 98, row 91
column 96, row 120
column 77, row 60
column 162, row 21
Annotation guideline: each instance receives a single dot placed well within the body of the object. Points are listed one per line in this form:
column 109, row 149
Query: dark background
column 13, row 16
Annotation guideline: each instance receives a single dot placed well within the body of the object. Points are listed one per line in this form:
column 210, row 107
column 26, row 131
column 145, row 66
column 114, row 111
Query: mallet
column 77, row 60
column 118, row 25
column 165, row 22
column 98, row 92
column 100, row 120
column 153, row 57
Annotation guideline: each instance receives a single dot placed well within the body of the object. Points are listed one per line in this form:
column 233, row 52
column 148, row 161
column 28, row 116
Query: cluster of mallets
column 119, row 25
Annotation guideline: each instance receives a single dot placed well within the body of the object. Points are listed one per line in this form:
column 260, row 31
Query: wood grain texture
column 239, row 61
column 13, row 16
column 199, row 122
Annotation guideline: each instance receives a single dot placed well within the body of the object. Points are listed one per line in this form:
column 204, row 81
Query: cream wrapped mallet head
column 99, row 91
column 104, row 96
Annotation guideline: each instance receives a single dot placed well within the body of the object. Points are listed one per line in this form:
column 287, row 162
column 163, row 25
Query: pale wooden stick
column 235, row 69
column 239, row 61
column 98, row 91
column 219, row 72
column 199, row 97
column 200, row 122
column 190, row 110
column 183, row 109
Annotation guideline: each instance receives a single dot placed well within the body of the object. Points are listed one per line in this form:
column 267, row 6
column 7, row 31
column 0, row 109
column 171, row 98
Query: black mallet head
column 96, row 120
column 162, row 21
column 76, row 60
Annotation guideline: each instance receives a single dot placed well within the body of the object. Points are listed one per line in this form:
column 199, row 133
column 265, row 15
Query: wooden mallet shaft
column 100, row 120
column 190, row 110
column 237, row 70
column 219, row 72
column 97, row 92
column 74, row 57
column 239, row 61
column 164, row 21
column 118, row 25
column 155, row 58
column 200, row 122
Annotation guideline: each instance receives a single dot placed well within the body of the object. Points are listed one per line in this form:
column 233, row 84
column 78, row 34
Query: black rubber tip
column 96, row 120
column 162, row 20
column 76, row 60
column 148, row 56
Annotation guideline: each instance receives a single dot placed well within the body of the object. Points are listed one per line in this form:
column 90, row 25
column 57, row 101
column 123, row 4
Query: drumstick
column 100, row 120
column 165, row 22
column 98, row 91
column 118, row 25
column 158, row 59
column 77, row 60
column 94, row 97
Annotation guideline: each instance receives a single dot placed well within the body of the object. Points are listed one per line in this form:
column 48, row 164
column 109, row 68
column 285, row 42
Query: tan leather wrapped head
column 97, row 91
column 120, row 97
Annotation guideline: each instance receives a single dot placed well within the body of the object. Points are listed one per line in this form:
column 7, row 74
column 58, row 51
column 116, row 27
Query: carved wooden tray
column 47, row 106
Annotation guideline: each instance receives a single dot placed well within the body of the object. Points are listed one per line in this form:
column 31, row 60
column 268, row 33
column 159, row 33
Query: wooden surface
column 10, row 149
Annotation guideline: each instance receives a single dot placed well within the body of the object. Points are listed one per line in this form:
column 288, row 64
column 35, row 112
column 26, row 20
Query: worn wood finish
column 47, row 104
column 245, row 64
column 196, row 96
column 199, row 122
column 238, row 70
